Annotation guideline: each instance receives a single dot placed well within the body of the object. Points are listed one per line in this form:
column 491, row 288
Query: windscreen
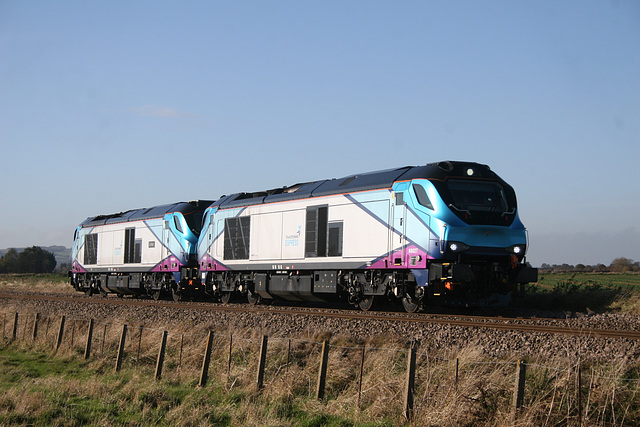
column 480, row 202
column 478, row 196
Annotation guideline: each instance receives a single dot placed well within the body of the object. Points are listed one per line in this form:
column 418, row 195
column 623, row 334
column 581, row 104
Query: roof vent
column 348, row 180
column 445, row 166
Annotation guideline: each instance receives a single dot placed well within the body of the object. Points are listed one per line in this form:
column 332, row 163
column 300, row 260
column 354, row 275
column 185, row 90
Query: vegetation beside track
column 41, row 388
column 48, row 282
column 37, row 389
column 584, row 293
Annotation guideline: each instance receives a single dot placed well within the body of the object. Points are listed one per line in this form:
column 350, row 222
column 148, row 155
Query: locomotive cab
column 477, row 244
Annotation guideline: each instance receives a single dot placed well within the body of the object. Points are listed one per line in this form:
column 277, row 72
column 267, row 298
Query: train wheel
column 155, row 295
column 366, row 303
column 225, row 297
column 89, row 292
column 177, row 296
column 410, row 305
column 253, row 298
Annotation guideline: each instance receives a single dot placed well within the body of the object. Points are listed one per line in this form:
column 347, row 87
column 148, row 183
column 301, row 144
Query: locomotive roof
column 358, row 182
column 148, row 213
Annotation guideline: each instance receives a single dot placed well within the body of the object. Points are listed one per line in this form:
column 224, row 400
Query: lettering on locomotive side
column 293, row 239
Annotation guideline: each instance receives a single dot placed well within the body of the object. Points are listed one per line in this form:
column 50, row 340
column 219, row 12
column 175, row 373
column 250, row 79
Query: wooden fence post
column 181, row 347
column 14, row 334
column 140, row 341
column 123, row 339
column 518, row 395
column 410, row 383
column 579, row 392
column 87, row 347
column 73, row 331
column 322, row 375
column 163, row 346
column 229, row 359
column 104, row 337
column 205, row 362
column 24, row 331
column 361, row 374
column 286, row 367
column 262, row 362
column 36, row 318
column 60, row 333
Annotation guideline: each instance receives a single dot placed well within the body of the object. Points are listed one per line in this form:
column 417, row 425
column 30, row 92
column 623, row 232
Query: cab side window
column 422, row 197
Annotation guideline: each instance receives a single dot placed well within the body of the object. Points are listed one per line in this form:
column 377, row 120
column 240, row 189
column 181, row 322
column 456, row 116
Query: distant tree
column 621, row 265
column 63, row 268
column 601, row 268
column 9, row 262
column 31, row 260
column 563, row 268
column 580, row 267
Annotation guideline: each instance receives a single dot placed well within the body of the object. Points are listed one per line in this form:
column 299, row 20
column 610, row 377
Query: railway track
column 468, row 321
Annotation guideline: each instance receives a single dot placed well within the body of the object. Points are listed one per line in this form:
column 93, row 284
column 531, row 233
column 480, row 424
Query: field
column 628, row 281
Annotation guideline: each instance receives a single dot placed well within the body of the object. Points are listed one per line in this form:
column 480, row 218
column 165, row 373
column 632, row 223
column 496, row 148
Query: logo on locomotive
column 293, row 239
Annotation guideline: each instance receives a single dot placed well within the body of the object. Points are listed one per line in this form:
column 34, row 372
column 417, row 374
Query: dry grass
column 36, row 282
column 74, row 392
column 629, row 303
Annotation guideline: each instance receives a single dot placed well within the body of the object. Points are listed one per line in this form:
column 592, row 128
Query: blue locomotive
column 138, row 252
column 444, row 233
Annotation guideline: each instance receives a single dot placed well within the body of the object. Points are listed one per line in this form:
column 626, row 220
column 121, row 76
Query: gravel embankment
column 440, row 338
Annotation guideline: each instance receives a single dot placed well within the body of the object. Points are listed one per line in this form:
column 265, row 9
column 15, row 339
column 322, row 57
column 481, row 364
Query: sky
column 110, row 106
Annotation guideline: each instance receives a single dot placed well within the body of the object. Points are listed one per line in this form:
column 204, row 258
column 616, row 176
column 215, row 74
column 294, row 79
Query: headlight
column 457, row 247
column 516, row 249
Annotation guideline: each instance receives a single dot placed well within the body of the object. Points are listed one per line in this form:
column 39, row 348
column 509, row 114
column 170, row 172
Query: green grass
column 628, row 281
column 68, row 391
column 584, row 292
column 39, row 389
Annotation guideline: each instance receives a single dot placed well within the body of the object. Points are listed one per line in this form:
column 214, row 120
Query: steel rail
column 498, row 323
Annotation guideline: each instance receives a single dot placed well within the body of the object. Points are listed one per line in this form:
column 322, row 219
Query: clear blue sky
column 109, row 106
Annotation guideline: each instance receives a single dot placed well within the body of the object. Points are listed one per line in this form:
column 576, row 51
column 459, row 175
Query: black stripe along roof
column 354, row 183
column 185, row 208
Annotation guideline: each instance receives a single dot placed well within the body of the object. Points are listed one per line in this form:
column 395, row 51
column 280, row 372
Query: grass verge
column 584, row 293
column 40, row 388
